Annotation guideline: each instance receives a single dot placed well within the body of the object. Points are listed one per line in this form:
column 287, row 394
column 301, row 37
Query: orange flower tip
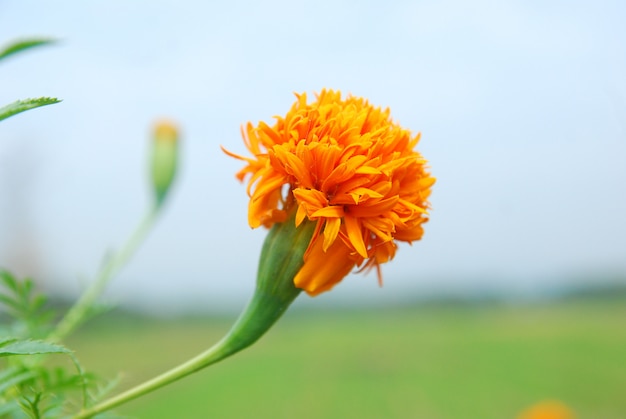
column 229, row 153
column 165, row 130
column 164, row 162
column 236, row 156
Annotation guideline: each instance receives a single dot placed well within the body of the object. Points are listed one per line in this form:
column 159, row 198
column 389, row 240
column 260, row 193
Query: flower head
column 344, row 165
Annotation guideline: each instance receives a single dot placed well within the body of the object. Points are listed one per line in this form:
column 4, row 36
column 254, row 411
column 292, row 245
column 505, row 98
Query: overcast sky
column 521, row 106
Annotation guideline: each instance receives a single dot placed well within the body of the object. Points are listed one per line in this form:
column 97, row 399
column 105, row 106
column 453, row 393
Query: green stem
column 282, row 257
column 79, row 310
column 260, row 314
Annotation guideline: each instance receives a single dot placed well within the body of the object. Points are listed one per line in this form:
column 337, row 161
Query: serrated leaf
column 24, row 105
column 8, row 280
column 10, row 347
column 22, row 45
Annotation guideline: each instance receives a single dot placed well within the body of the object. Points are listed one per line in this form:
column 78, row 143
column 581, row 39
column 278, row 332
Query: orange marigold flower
column 345, row 165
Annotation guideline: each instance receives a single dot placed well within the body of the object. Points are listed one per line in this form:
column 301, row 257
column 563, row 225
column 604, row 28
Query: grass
column 435, row 362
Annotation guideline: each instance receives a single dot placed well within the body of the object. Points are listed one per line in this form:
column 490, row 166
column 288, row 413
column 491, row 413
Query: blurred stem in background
column 81, row 309
column 163, row 169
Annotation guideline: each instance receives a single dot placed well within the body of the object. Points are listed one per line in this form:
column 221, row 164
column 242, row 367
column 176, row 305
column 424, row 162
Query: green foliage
column 29, row 386
column 32, row 317
column 38, row 392
column 24, row 105
column 12, row 346
column 40, row 377
column 22, row 45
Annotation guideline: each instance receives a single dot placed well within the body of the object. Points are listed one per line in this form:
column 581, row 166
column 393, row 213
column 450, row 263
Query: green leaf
column 24, row 105
column 11, row 346
column 8, row 280
column 16, row 377
column 22, row 45
column 31, row 318
column 31, row 406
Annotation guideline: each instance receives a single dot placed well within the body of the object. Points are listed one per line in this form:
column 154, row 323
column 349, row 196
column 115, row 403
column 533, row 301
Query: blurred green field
column 437, row 361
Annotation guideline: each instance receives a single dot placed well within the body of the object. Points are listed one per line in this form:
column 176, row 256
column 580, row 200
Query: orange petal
column 293, row 165
column 367, row 170
column 323, row 270
column 313, row 198
column 374, row 209
column 330, row 232
column 300, row 215
column 384, row 234
column 332, row 211
column 353, row 228
column 268, row 185
column 362, row 194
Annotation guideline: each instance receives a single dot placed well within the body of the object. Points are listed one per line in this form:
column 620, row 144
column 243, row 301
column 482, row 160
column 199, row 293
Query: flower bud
column 164, row 158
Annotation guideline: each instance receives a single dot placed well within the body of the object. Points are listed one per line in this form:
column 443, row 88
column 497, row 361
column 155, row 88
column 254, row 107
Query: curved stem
column 78, row 311
column 282, row 257
column 260, row 314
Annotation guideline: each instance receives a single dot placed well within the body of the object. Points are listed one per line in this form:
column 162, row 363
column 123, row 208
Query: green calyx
column 282, row 257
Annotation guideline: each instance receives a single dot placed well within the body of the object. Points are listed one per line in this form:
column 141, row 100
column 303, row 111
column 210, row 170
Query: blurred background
column 522, row 110
column 521, row 106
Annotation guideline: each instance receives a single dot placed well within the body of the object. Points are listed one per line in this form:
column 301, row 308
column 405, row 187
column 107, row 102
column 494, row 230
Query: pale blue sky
column 521, row 105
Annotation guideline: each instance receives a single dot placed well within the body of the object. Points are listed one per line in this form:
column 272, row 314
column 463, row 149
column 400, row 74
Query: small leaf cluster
column 40, row 377
column 32, row 317
column 33, row 383
column 29, row 386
